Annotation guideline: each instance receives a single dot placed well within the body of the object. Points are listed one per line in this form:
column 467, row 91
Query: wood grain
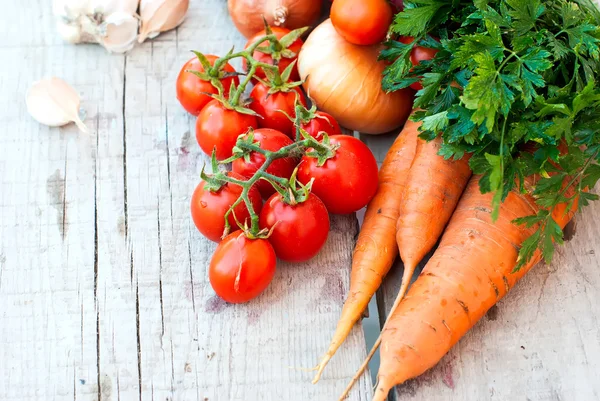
column 104, row 291
column 541, row 342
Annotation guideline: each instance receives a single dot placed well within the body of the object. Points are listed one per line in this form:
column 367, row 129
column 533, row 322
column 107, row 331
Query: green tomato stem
column 270, row 157
column 280, row 180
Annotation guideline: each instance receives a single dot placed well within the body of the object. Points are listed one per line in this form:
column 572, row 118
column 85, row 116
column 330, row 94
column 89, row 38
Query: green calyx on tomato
column 212, row 74
column 316, row 122
column 295, row 192
column 306, row 115
column 243, row 147
column 279, row 82
column 322, row 151
column 279, row 49
column 214, row 181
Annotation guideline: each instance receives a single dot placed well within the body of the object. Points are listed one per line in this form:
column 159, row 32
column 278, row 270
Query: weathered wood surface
column 103, row 277
column 540, row 343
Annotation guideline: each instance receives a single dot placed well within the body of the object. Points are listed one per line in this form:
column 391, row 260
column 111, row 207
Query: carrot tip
column 319, row 368
column 382, row 390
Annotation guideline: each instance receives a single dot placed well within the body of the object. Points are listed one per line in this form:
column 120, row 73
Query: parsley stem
column 506, row 60
column 502, row 148
column 580, row 174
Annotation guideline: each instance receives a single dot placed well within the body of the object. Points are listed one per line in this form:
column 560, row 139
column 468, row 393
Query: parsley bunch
column 509, row 74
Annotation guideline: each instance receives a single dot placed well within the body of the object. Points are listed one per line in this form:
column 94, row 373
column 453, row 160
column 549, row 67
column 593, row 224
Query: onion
column 345, row 81
column 247, row 15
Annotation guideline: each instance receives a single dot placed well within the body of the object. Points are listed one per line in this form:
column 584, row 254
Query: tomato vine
column 292, row 191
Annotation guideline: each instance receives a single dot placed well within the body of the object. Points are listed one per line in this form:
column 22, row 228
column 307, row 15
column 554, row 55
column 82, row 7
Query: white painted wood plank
column 47, row 242
column 103, row 283
column 542, row 342
column 207, row 348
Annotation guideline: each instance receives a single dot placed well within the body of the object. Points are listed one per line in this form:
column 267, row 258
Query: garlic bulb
column 54, row 102
column 160, row 16
column 112, row 23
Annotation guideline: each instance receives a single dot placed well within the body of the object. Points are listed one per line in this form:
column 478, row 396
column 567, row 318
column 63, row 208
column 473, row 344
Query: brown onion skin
column 345, row 81
column 247, row 14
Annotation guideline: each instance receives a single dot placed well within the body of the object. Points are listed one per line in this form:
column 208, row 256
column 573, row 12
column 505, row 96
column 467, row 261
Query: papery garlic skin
column 54, row 102
column 120, row 30
column 160, row 16
column 112, row 23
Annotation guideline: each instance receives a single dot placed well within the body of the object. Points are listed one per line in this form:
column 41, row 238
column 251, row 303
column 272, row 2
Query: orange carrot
column 432, row 191
column 469, row 273
column 376, row 248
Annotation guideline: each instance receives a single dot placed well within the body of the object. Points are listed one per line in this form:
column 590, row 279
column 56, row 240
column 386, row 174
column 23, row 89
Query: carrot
column 376, row 248
column 432, row 191
column 469, row 273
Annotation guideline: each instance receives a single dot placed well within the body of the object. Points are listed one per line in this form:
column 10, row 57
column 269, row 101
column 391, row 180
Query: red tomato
column 218, row 127
column 323, row 122
column 190, row 87
column 209, row 208
column 269, row 140
column 268, row 105
column 241, row 268
column 300, row 230
column 346, row 182
column 418, row 54
column 362, row 22
column 266, row 58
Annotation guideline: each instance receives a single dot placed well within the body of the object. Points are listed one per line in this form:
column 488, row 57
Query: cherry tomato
column 362, row 22
column 418, row 54
column 209, row 208
column 269, row 140
column 300, row 231
column 241, row 268
column 190, row 88
column 346, row 182
column 218, row 127
column 268, row 105
column 323, row 122
column 266, row 58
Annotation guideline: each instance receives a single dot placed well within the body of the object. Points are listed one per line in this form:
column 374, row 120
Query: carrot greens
column 515, row 83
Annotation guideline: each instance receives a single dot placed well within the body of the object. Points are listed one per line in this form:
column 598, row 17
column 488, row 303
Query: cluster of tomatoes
column 293, row 157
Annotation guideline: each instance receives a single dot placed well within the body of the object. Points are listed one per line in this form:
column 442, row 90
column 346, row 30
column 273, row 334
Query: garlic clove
column 161, row 15
column 54, row 102
column 118, row 32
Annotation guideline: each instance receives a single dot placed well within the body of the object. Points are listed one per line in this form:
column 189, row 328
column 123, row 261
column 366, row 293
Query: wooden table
column 103, row 283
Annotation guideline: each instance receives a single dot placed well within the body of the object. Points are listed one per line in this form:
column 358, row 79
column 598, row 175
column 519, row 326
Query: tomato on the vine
column 271, row 140
column 418, row 54
column 284, row 62
column 362, row 22
column 241, row 268
column 347, row 181
column 191, row 90
column 298, row 231
column 271, row 105
column 323, row 122
column 219, row 127
column 209, row 208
